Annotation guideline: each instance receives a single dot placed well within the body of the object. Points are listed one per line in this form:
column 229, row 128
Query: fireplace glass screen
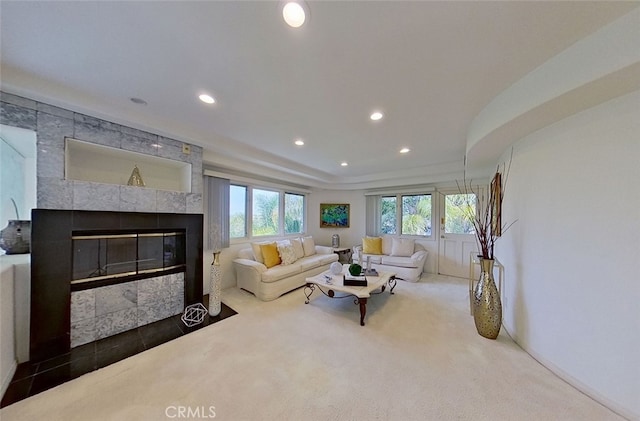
column 116, row 255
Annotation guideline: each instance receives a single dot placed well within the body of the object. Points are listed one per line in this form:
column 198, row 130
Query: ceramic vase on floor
column 214, row 286
column 487, row 308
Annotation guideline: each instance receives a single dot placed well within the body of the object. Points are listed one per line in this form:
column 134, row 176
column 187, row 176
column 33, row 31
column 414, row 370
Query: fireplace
column 151, row 261
column 112, row 255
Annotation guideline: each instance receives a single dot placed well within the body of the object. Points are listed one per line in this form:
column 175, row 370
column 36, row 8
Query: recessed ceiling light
column 294, row 14
column 208, row 99
column 375, row 116
column 344, row 164
column 299, row 142
column 138, row 101
column 404, row 150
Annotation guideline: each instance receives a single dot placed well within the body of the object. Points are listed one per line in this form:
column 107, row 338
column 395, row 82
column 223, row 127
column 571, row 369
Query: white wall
column 14, row 315
column 572, row 289
column 348, row 236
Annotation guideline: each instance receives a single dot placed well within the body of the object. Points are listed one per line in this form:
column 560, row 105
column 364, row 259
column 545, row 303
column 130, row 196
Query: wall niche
column 86, row 161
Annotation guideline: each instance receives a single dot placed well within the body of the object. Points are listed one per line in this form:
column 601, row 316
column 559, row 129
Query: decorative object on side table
column 15, row 238
column 216, row 274
column 335, row 241
column 486, row 220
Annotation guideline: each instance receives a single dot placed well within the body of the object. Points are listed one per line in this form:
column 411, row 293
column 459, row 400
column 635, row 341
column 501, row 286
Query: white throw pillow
column 257, row 253
column 402, row 247
column 309, row 246
column 297, row 247
column 387, row 243
column 287, row 254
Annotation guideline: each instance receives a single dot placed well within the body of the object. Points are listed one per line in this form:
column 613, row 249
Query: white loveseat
column 404, row 256
column 300, row 258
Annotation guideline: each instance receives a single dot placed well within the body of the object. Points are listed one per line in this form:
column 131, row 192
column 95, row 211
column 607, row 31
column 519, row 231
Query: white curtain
column 217, row 212
column 372, row 217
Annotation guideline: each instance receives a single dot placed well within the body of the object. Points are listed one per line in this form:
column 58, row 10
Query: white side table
column 344, row 254
column 475, row 260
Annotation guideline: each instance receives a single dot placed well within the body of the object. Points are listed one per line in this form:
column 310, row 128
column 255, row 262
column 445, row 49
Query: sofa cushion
column 316, row 260
column 402, row 247
column 309, row 246
column 387, row 243
column 405, row 262
column 372, row 245
column 257, row 254
column 297, row 247
column 270, row 254
column 375, row 258
column 287, row 254
column 280, row 272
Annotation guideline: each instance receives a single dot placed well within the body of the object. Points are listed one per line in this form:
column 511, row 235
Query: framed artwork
column 334, row 215
column 496, row 203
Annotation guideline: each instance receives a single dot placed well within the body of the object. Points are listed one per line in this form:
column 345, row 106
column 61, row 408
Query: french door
column 457, row 236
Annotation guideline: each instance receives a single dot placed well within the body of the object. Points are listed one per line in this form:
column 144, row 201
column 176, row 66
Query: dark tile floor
column 33, row 378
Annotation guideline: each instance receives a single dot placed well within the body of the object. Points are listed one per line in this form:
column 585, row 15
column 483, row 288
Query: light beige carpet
column 418, row 358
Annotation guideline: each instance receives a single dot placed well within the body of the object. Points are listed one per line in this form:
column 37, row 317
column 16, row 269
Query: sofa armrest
column 418, row 255
column 324, row 250
column 247, row 264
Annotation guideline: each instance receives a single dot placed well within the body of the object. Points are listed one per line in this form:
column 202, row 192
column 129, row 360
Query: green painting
column 334, row 215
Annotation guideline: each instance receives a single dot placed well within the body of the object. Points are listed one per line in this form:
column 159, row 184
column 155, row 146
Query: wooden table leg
column 363, row 309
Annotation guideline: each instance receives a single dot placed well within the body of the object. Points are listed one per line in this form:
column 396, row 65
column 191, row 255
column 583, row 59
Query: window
column 459, row 209
column 388, row 215
column 237, row 211
column 293, row 213
column 416, row 214
column 272, row 212
column 413, row 217
column 264, row 214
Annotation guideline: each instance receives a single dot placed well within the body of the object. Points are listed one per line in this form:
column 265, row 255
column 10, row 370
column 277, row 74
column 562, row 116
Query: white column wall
column 572, row 293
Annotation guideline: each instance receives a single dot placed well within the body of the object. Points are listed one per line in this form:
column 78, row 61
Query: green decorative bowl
column 355, row 269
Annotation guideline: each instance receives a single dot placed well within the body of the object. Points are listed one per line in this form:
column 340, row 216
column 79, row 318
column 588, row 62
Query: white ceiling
column 430, row 66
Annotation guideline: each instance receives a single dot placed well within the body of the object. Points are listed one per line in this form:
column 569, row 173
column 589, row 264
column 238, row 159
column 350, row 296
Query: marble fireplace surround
column 51, row 272
column 105, row 311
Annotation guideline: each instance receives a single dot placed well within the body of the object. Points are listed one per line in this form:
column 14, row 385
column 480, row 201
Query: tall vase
column 214, row 286
column 487, row 308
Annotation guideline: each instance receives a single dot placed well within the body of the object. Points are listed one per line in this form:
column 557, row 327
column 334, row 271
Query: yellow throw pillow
column 270, row 254
column 372, row 245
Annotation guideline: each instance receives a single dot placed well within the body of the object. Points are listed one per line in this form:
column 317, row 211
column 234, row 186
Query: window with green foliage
column 459, row 211
column 413, row 217
column 265, row 208
column 265, row 212
column 416, row 214
column 388, row 215
column 237, row 211
column 293, row 213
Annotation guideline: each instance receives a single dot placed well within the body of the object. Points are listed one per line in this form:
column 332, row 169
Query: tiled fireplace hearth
column 106, row 311
column 98, row 273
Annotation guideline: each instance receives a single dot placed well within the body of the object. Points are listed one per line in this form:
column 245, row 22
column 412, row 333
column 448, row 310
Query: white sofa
column 404, row 256
column 269, row 283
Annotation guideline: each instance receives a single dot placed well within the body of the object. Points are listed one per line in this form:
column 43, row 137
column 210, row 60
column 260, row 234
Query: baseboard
column 590, row 392
column 7, row 380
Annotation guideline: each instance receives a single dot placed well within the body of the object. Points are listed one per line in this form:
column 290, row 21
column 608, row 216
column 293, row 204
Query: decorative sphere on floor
column 336, row 268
